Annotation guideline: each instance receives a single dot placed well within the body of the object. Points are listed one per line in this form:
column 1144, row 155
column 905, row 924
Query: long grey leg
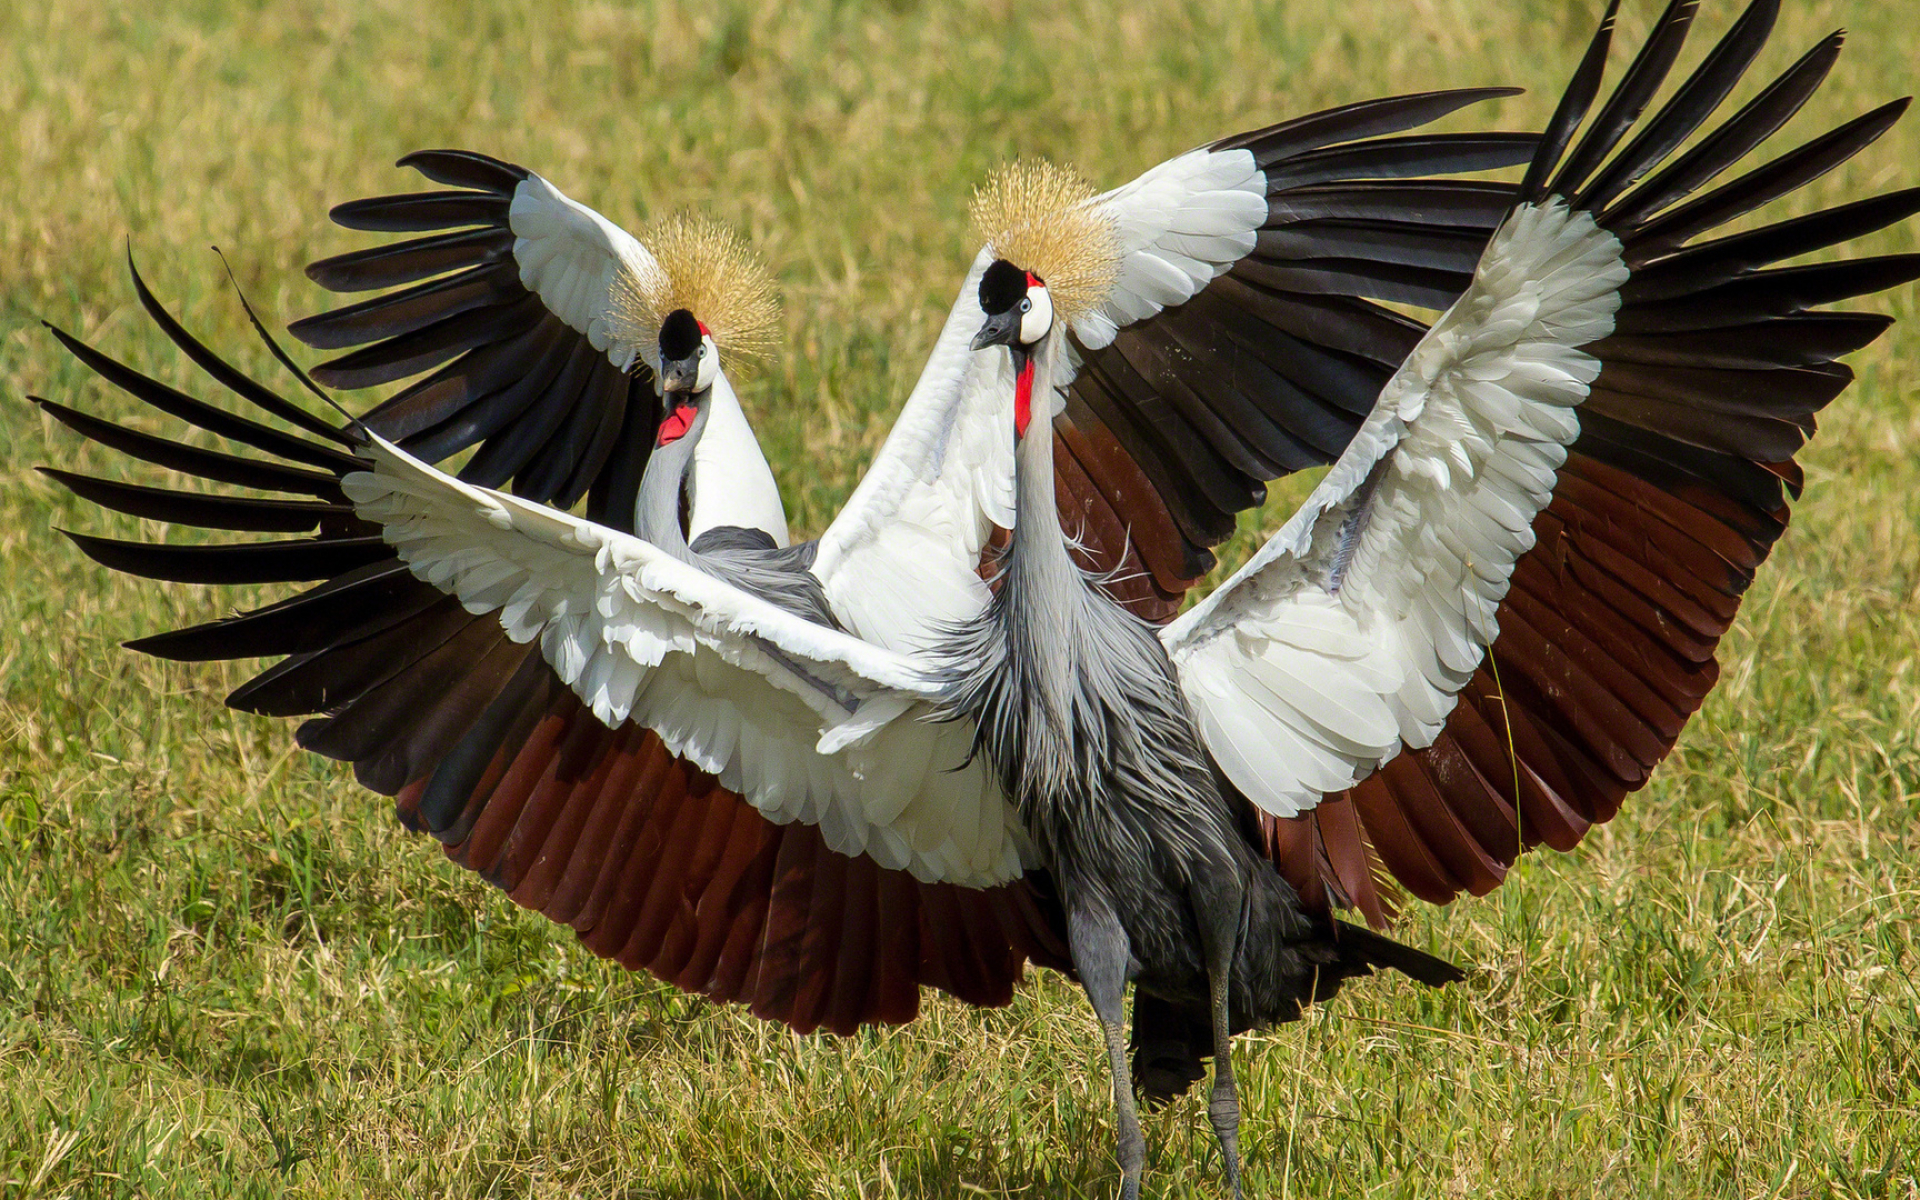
column 1100, row 952
column 1221, row 937
column 1223, row 1106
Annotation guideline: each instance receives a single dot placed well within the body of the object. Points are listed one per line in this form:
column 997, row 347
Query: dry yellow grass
column 224, row 972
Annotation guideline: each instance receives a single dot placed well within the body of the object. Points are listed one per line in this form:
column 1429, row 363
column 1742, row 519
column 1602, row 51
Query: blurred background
column 224, row 971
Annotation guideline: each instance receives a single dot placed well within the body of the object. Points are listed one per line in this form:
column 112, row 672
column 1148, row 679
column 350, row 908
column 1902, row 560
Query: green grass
column 223, row 970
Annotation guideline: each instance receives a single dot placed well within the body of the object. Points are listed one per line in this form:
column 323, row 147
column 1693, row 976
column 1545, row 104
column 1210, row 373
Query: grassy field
column 223, row 970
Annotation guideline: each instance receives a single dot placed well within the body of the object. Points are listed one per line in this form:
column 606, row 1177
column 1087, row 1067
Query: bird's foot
column 1223, row 1109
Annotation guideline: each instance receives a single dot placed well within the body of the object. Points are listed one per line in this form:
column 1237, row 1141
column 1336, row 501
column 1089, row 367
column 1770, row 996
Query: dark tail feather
column 1171, row 1046
column 1358, row 943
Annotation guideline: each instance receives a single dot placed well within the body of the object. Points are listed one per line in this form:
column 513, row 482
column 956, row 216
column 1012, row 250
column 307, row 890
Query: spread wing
column 1239, row 343
column 649, row 859
column 494, row 795
column 805, row 722
column 1245, row 339
column 1355, row 625
column 1497, row 612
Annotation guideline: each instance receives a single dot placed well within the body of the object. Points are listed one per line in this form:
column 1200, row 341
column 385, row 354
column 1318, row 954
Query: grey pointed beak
column 1001, row 329
column 679, row 374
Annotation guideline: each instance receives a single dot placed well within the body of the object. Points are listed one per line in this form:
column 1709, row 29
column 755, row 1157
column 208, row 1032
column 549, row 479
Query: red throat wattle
column 675, row 426
column 1023, row 399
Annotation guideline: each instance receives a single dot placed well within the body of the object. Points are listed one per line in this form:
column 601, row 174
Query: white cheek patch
column 1038, row 320
column 709, row 364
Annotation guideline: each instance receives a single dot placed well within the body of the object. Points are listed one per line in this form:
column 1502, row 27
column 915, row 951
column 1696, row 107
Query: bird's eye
column 703, row 350
column 1026, row 304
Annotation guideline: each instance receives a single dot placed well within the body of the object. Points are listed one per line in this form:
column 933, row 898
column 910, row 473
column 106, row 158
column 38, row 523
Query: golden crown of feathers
column 1038, row 217
column 709, row 270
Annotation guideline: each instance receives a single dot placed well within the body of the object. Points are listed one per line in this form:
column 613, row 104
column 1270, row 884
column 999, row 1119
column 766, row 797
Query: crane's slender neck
column 1044, row 587
column 657, row 511
column 1038, row 548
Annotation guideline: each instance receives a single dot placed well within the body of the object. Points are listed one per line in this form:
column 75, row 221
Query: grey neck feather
column 1078, row 708
column 657, row 511
column 1044, row 584
column 748, row 559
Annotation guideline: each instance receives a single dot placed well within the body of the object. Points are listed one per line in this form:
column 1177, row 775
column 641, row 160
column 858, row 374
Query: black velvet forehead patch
column 1001, row 287
column 679, row 336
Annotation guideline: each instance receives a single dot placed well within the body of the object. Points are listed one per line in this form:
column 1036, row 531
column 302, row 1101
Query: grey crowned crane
column 1576, row 473
column 1593, row 333
column 506, row 303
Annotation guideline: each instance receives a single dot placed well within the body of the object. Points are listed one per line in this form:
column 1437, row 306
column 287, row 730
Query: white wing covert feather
column 1350, row 634
column 805, row 722
column 1179, row 225
column 568, row 255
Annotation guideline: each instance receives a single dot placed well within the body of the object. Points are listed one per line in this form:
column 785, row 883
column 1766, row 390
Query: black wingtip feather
column 348, row 607
column 223, row 372
column 397, row 263
column 466, row 168
column 421, row 212
column 428, row 347
column 1732, row 141
column 231, row 563
column 273, row 346
column 1354, row 122
column 211, row 465
column 205, row 511
column 214, row 420
column 1630, row 96
column 1794, row 169
column 1696, row 100
column 408, row 310
column 1571, row 110
column 1702, row 266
